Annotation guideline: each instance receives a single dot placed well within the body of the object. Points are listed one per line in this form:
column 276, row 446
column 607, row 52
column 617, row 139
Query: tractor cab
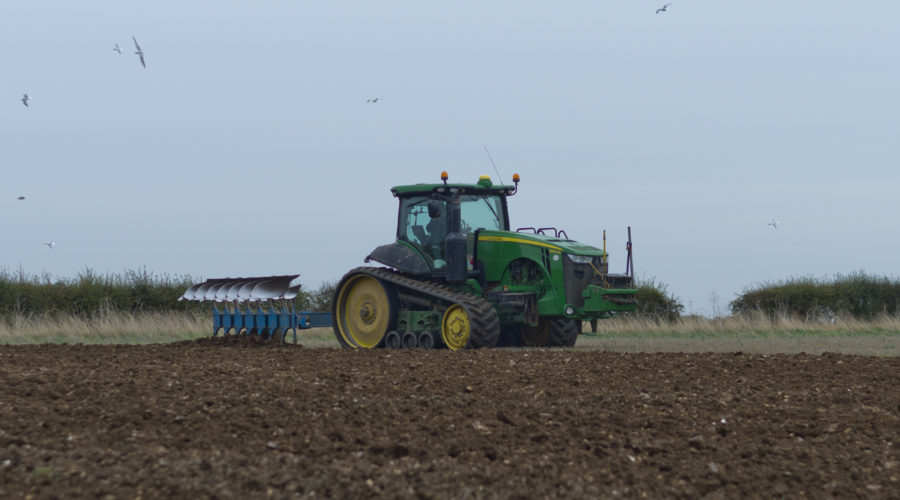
column 437, row 224
column 424, row 222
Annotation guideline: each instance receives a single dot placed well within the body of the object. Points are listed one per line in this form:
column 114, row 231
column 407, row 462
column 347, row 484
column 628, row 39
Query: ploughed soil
column 230, row 419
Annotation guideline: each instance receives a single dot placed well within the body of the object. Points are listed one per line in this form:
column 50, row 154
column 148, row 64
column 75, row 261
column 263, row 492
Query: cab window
column 481, row 212
column 420, row 229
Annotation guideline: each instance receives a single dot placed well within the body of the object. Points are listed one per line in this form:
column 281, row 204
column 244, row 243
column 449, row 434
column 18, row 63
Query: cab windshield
column 481, row 212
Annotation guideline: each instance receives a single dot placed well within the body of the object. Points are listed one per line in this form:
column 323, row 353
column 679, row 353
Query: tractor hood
column 546, row 241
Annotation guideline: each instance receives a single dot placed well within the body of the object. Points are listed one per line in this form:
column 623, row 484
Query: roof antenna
column 493, row 165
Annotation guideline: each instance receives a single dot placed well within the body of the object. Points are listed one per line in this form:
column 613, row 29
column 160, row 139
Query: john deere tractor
column 456, row 276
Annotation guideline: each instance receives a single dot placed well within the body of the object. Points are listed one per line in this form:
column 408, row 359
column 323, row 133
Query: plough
column 255, row 306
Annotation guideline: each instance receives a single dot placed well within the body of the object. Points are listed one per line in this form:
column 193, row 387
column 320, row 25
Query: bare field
column 234, row 418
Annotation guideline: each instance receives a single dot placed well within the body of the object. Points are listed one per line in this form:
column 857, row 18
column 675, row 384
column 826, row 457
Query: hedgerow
column 857, row 294
column 90, row 294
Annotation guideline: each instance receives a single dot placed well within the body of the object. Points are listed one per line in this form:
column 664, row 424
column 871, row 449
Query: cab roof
column 483, row 186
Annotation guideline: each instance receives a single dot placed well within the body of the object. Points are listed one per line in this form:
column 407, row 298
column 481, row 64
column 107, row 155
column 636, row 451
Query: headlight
column 580, row 259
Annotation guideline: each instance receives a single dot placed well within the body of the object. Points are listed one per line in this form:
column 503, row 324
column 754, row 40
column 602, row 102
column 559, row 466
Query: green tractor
column 457, row 276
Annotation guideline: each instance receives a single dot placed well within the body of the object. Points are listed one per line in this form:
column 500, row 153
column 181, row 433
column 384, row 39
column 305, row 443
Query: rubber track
column 482, row 315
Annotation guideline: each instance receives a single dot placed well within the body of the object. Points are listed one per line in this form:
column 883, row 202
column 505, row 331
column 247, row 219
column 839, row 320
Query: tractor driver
column 437, row 230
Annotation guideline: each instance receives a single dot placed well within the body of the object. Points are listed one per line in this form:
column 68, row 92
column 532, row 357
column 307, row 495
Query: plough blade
column 262, row 288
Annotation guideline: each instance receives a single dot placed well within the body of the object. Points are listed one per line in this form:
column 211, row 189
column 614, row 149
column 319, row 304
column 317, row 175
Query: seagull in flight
column 373, row 100
column 139, row 52
column 21, row 197
column 50, row 244
column 117, row 49
column 25, row 99
column 664, row 8
column 774, row 224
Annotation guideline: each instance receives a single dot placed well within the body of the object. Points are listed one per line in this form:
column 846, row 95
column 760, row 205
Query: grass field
column 748, row 333
column 880, row 337
column 110, row 328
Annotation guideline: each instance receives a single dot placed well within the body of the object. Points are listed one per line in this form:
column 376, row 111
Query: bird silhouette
column 664, row 8
column 774, row 224
column 25, row 99
column 21, row 198
column 50, row 244
column 117, row 49
column 373, row 100
column 139, row 52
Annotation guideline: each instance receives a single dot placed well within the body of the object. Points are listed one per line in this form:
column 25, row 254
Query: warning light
column 516, row 178
column 444, row 176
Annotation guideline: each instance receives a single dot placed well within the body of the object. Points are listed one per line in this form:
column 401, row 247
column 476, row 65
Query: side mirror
column 435, row 209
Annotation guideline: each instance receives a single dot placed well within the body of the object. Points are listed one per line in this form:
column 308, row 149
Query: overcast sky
column 247, row 146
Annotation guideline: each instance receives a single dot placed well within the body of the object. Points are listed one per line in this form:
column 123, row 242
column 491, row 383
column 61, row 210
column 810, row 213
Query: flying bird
column 50, row 244
column 20, row 198
column 139, row 52
column 373, row 100
column 25, row 99
column 117, row 49
column 664, row 8
column 774, row 224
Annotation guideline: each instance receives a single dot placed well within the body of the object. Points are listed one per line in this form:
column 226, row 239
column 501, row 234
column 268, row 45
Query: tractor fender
column 400, row 257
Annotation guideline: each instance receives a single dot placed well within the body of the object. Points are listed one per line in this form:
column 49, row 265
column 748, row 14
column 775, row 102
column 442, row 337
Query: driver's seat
column 419, row 233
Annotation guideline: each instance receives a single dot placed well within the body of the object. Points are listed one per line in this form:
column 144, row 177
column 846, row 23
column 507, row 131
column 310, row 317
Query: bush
column 857, row 294
column 655, row 302
column 318, row 300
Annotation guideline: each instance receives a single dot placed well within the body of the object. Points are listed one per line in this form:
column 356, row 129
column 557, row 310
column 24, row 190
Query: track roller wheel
column 563, row 332
column 456, row 327
column 409, row 340
column 426, row 340
column 363, row 311
column 392, row 340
